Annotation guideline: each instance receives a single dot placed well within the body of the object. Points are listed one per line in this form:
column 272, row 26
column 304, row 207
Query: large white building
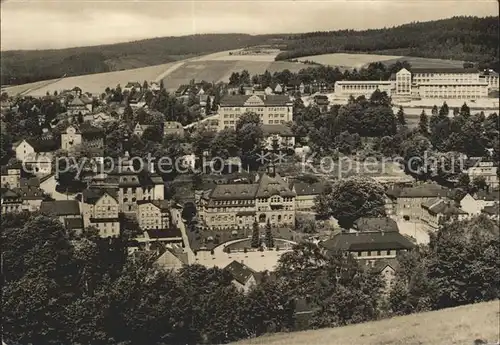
column 442, row 83
column 272, row 109
column 345, row 88
column 457, row 83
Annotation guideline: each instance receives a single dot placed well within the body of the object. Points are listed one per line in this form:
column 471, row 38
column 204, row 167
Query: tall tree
column 423, row 124
column 255, row 242
column 401, row 116
column 269, row 236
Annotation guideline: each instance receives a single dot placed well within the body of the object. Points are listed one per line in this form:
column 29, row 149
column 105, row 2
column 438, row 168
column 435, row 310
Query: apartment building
column 153, row 214
column 491, row 77
column 25, row 198
column 272, row 109
column 345, row 88
column 100, row 210
column 306, row 194
column 232, row 206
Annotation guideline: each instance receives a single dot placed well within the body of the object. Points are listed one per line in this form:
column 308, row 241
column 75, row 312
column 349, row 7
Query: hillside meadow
column 454, row 326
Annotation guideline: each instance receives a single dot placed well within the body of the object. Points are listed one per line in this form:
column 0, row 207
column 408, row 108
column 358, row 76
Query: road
column 177, row 220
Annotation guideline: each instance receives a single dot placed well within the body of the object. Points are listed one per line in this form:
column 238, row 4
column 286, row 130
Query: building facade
column 344, row 89
column 272, row 109
column 100, row 210
column 233, row 206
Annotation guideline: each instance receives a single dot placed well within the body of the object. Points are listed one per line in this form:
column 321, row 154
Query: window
column 359, row 253
column 388, row 252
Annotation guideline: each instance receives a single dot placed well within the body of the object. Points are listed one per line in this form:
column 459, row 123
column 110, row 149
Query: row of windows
column 234, row 202
column 276, row 122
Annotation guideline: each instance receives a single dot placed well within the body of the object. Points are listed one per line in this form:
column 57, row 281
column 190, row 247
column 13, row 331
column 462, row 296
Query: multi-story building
column 443, row 83
column 371, row 245
column 344, row 89
column 11, row 176
column 153, row 214
column 437, row 212
column 491, row 77
column 100, row 210
column 474, row 204
column 406, row 202
column 82, row 134
column 79, row 106
column 280, row 135
column 36, row 155
column 134, row 185
column 306, row 194
column 272, row 109
column 231, row 206
column 486, row 170
column 22, row 199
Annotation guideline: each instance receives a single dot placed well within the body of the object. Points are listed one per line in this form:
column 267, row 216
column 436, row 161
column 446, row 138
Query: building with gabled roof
column 243, row 276
column 100, row 209
column 62, row 209
column 406, row 202
column 439, row 211
column 82, row 134
column 232, row 206
column 36, row 154
column 11, row 175
column 24, row 198
column 306, row 194
column 279, row 134
column 367, row 224
column 370, row 246
column 272, row 109
column 172, row 257
column 154, row 214
column 79, row 105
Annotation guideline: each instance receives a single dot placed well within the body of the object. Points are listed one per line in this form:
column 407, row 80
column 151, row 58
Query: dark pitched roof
column 9, row 193
column 426, row 190
column 302, row 188
column 363, row 241
column 444, row 70
column 60, row 207
column 92, row 195
column 282, row 130
column 43, row 145
column 234, row 192
column 73, row 223
column 441, row 206
column 87, row 129
column 240, row 272
column 164, row 233
column 321, row 100
column 273, row 185
column 30, row 182
column 493, row 210
column 161, row 204
column 376, row 224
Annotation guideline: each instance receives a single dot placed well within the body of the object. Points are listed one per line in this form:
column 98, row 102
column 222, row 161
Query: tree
column 269, row 236
column 464, row 262
column 401, row 116
column 465, row 110
column 444, row 110
column 380, row 98
column 225, row 144
column 479, row 183
column 255, row 243
column 234, row 79
column 128, row 115
column 202, row 139
column 352, row 198
column 208, row 106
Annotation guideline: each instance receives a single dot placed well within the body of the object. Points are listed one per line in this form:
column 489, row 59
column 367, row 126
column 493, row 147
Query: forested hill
column 19, row 67
column 459, row 38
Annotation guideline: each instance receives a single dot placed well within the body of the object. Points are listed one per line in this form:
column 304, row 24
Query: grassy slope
column 460, row 326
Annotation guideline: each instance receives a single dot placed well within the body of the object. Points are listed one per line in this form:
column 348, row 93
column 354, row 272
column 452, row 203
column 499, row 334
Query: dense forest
column 19, row 67
column 459, row 38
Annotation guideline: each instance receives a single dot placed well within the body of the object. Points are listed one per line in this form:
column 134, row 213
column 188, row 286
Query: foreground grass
column 460, row 326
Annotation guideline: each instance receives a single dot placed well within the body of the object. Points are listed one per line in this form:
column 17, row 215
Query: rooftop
column 282, row 130
column 302, row 188
column 366, row 224
column 426, row 190
column 60, row 208
column 240, row 272
column 365, row 241
column 444, row 70
column 266, row 100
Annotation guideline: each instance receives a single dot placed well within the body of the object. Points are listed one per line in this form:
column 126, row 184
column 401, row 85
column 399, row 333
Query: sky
column 54, row 24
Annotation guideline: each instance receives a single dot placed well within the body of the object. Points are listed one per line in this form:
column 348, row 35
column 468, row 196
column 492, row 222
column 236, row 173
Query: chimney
column 152, row 166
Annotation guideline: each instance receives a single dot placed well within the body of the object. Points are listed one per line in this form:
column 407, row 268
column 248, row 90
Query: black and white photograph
column 250, row 172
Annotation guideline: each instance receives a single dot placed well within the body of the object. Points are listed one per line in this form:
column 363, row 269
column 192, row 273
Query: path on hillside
column 170, row 70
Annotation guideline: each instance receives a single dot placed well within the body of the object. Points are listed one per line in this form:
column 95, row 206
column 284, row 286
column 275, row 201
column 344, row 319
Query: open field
column 344, row 60
column 426, row 63
column 459, row 326
column 220, row 70
column 20, row 89
column 347, row 60
column 97, row 83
